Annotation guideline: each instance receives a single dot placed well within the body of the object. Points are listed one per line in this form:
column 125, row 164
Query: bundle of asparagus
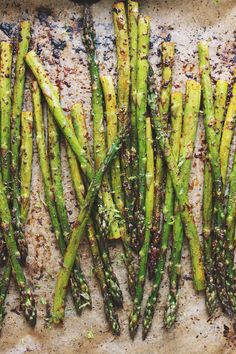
column 133, row 188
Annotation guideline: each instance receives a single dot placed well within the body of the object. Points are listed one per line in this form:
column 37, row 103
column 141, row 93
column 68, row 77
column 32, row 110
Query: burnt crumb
column 67, row 84
column 168, row 38
column 80, row 24
column 79, row 49
column 16, row 310
column 7, row 28
column 58, row 45
column 226, row 331
column 70, row 31
column 187, row 277
column 230, row 333
column 43, row 14
column 38, row 49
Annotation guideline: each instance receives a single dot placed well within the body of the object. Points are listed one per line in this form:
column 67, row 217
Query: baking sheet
column 184, row 22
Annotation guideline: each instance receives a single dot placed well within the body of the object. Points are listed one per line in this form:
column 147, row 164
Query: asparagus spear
column 103, row 270
column 227, row 135
column 80, row 128
column 142, row 73
column 220, row 104
column 184, row 207
column 190, row 123
column 5, row 107
column 230, row 236
column 230, row 225
column 5, row 101
column 54, row 154
column 26, row 152
column 78, row 231
column 123, row 90
column 143, row 254
column 17, row 102
column 111, row 280
column 207, row 214
column 168, row 49
column 219, row 246
column 174, row 271
column 112, row 128
column 133, row 13
column 49, row 197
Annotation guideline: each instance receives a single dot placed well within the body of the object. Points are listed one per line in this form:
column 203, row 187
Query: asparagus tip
column 133, row 324
column 170, row 311
column 29, row 308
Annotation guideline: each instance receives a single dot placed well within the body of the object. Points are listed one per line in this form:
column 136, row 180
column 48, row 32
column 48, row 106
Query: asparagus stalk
column 75, row 279
column 5, row 101
column 111, row 280
column 26, row 153
column 220, row 104
column 78, row 231
column 207, row 217
column 207, row 214
column 98, row 123
column 230, row 236
column 143, row 254
column 5, row 107
column 219, row 247
column 230, row 226
column 175, row 260
column 17, row 102
column 103, row 270
column 133, row 13
column 227, row 135
column 123, row 60
column 184, row 207
column 190, row 123
column 142, row 73
column 168, row 49
column 112, row 128
column 54, row 154
column 26, row 296
column 123, row 91
column 80, row 128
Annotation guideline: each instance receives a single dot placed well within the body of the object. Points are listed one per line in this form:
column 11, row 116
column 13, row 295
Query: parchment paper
column 184, row 22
